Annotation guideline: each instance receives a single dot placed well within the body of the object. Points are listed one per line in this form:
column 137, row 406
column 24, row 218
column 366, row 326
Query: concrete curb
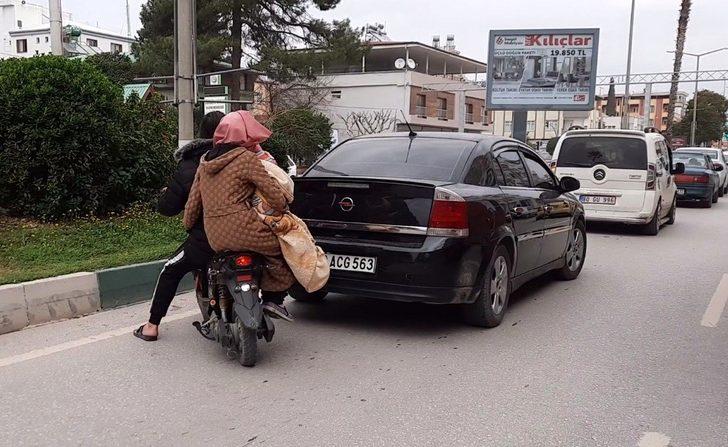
column 78, row 294
column 45, row 300
column 120, row 286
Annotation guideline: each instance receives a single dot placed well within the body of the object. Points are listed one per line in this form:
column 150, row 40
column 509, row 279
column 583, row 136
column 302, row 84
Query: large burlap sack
column 306, row 260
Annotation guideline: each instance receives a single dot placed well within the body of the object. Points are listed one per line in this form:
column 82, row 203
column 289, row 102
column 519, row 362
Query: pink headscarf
column 241, row 128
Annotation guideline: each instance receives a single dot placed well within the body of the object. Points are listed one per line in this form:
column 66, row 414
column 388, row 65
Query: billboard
column 553, row 69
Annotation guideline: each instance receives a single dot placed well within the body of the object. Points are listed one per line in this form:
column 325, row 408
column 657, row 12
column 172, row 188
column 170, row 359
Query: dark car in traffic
column 700, row 182
column 442, row 218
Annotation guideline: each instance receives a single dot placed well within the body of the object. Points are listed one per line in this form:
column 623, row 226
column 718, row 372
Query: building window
column 664, row 121
column 335, row 94
column 93, row 43
column 665, row 107
column 552, row 125
column 37, row 40
column 21, row 45
column 507, row 127
column 20, row 24
column 421, row 107
column 530, row 126
column 469, row 113
column 634, row 108
column 484, row 115
column 442, row 108
column 46, row 39
column 116, row 48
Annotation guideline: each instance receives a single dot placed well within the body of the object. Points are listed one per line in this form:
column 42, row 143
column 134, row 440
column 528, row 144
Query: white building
column 432, row 90
column 25, row 32
column 543, row 125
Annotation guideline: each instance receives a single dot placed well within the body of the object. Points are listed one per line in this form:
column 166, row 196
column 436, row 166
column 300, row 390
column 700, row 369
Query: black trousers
column 188, row 258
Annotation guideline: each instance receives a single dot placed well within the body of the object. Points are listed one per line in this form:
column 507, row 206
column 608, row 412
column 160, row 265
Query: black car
column 444, row 218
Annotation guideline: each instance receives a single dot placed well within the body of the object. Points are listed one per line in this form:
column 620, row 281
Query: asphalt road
column 616, row 358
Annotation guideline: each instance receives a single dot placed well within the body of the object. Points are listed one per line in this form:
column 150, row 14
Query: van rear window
column 612, row 152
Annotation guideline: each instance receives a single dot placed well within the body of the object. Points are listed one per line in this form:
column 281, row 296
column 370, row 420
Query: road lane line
column 48, row 350
column 653, row 439
column 716, row 305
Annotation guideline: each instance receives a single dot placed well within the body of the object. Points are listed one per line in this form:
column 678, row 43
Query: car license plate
column 352, row 263
column 681, row 192
column 599, row 200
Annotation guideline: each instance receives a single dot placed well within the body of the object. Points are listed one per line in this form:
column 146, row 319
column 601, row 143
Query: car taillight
column 651, row 177
column 449, row 215
column 687, row 178
column 244, row 261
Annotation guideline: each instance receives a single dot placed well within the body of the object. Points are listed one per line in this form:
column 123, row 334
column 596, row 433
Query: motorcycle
column 232, row 309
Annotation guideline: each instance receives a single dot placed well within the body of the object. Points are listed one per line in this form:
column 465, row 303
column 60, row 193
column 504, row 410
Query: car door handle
column 519, row 211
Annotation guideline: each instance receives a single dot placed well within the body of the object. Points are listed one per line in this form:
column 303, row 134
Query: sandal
column 139, row 334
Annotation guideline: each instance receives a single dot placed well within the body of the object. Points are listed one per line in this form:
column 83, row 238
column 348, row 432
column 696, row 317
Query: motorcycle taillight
column 244, row 261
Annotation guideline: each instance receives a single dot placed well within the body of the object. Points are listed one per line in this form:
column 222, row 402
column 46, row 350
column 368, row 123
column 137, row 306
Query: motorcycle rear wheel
column 248, row 346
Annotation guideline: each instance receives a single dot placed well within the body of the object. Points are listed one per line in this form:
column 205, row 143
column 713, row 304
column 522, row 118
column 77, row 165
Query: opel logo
column 346, row 204
column 599, row 174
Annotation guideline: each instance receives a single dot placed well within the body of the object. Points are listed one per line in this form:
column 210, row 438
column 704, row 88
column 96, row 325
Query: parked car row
column 454, row 218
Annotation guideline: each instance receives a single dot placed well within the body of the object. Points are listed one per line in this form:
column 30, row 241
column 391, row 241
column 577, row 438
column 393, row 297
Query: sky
column 470, row 21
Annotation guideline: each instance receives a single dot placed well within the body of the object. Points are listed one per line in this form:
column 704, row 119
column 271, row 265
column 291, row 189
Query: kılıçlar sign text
column 551, row 69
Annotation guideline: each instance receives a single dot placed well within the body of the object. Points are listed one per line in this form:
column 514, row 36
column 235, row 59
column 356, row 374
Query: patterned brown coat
column 221, row 191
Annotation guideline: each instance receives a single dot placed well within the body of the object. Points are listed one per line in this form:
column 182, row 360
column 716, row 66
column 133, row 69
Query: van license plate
column 599, row 200
column 352, row 263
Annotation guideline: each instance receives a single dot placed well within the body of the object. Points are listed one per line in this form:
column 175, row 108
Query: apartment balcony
column 442, row 114
column 421, row 111
column 469, row 118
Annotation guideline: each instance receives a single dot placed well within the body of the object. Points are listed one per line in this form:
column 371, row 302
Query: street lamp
column 697, row 57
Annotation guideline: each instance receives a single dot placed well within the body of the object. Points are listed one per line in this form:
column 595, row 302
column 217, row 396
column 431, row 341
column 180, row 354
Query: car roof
column 697, row 149
column 613, row 132
column 474, row 137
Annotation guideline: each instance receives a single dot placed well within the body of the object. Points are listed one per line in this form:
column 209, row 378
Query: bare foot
column 151, row 330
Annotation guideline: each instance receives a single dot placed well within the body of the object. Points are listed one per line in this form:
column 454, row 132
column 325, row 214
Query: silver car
column 717, row 156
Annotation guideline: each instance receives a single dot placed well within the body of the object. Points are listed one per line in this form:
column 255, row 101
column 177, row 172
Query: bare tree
column 274, row 98
column 369, row 122
column 682, row 28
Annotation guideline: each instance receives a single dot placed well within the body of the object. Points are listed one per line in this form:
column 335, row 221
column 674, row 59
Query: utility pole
column 694, row 124
column 185, row 69
column 128, row 20
column 625, row 102
column 56, row 27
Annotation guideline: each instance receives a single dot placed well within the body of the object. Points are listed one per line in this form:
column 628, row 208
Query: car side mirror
column 679, row 168
column 717, row 167
column 568, row 184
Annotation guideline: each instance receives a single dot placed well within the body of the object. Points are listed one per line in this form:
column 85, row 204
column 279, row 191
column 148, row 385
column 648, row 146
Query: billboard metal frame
column 524, row 32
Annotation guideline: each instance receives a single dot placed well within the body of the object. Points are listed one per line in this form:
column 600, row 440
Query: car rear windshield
column 691, row 159
column 612, row 152
column 420, row 158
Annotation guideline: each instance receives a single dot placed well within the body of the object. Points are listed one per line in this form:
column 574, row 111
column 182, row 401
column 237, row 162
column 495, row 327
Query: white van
column 625, row 175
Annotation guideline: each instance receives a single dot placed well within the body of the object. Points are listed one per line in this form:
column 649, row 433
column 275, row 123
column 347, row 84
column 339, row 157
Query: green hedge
column 70, row 146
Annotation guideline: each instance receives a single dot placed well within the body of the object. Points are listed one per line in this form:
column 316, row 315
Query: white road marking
column 717, row 304
column 48, row 350
column 653, row 439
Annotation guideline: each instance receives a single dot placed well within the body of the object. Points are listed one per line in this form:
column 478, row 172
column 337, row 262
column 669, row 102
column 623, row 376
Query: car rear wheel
column 575, row 253
column 489, row 308
column 714, row 199
column 299, row 294
column 653, row 227
column 673, row 211
column 721, row 192
column 708, row 203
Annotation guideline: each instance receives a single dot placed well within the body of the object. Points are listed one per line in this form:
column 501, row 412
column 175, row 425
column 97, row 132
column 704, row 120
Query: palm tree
column 682, row 28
